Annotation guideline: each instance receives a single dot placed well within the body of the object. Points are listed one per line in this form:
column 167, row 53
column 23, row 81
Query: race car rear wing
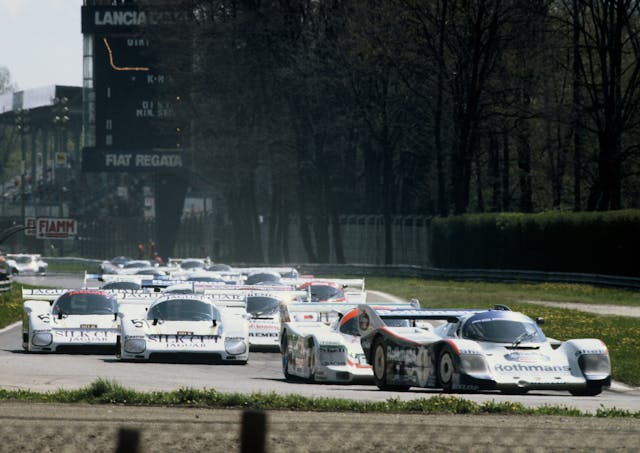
column 283, row 294
column 372, row 318
column 329, row 312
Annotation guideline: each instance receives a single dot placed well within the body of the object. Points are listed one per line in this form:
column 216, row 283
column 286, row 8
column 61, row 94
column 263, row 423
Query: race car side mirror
column 115, row 316
column 215, row 323
column 155, row 321
column 59, row 315
column 540, row 320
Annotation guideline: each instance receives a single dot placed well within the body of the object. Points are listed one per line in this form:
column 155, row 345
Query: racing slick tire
column 380, row 368
column 589, row 391
column 285, row 358
column 446, row 369
column 312, row 361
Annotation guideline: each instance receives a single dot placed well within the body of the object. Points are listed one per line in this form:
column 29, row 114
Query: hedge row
column 589, row 242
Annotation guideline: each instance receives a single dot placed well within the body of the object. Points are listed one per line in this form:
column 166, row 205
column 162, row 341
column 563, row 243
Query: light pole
column 22, row 124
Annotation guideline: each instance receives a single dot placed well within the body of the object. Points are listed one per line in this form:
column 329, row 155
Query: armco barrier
column 5, row 285
column 485, row 275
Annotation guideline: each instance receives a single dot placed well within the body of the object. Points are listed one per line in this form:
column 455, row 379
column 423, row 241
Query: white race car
column 263, row 307
column 471, row 350
column 29, row 264
column 320, row 342
column 63, row 320
column 183, row 328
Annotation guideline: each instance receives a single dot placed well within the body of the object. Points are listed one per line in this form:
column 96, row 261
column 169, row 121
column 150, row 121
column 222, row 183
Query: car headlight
column 595, row 364
column 135, row 345
column 42, row 339
column 235, row 346
column 473, row 363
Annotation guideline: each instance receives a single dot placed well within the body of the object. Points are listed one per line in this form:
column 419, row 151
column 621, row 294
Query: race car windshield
column 325, row 292
column 262, row 306
column 503, row 331
column 183, row 310
column 135, row 264
column 121, row 285
column 192, row 265
column 261, row 278
column 84, row 303
column 23, row 259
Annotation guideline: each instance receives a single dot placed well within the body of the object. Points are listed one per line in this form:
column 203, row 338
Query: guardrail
column 411, row 271
column 5, row 284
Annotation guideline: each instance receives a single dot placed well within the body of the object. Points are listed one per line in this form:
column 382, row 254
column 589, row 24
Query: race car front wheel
column 446, row 369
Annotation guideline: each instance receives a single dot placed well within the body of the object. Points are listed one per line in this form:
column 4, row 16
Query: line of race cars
column 325, row 329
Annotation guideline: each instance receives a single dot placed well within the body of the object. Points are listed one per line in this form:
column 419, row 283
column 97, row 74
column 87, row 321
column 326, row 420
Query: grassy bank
column 108, row 392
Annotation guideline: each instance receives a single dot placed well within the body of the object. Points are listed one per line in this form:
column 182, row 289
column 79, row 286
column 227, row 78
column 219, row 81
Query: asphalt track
column 50, row 372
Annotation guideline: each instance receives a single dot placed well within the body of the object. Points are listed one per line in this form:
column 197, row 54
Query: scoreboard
column 134, row 111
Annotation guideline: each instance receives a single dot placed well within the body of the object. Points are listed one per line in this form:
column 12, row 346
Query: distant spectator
column 152, row 249
column 140, row 250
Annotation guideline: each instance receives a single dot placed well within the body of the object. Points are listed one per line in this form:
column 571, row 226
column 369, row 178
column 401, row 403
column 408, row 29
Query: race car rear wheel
column 285, row 357
column 380, row 368
column 446, row 369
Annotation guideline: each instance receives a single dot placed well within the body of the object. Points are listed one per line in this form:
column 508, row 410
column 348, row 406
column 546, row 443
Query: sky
column 41, row 42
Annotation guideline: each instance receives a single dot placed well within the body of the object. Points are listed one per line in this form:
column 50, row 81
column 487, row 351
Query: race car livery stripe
column 357, row 365
column 393, row 334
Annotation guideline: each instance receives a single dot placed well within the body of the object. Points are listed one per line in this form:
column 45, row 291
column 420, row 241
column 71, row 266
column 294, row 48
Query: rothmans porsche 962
column 472, row 350
column 67, row 320
column 183, row 328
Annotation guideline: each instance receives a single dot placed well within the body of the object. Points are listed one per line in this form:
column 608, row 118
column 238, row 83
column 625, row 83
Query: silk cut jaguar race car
column 68, row 320
column 183, row 328
column 472, row 350
column 320, row 342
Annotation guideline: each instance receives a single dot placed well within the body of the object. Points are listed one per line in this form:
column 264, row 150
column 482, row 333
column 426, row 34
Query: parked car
column 25, row 263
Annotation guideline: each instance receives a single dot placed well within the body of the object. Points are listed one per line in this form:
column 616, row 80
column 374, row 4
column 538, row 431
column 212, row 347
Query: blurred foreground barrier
column 5, row 284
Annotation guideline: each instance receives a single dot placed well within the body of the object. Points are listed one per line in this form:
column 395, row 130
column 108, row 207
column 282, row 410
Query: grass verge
column 108, row 392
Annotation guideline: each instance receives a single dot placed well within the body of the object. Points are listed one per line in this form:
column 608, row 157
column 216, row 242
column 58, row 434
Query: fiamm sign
column 55, row 228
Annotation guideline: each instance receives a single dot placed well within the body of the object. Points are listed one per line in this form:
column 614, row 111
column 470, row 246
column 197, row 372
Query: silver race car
column 472, row 350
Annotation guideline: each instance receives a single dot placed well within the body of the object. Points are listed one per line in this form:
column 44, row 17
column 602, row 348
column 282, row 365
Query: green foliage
column 590, row 242
column 109, row 392
column 11, row 305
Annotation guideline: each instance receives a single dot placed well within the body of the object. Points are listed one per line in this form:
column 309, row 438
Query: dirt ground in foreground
column 96, row 428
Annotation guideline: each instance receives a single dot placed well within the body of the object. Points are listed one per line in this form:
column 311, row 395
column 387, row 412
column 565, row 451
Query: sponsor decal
column 532, row 368
column 182, row 341
column 84, row 336
column 527, row 357
column 263, row 334
column 88, row 326
column 86, row 291
column 331, row 349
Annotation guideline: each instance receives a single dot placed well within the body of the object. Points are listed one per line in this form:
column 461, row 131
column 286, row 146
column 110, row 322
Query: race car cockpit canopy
column 499, row 326
column 84, row 302
column 262, row 306
column 179, row 309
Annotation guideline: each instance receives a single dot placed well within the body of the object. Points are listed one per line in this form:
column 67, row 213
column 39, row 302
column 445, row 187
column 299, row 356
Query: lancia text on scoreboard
column 55, row 228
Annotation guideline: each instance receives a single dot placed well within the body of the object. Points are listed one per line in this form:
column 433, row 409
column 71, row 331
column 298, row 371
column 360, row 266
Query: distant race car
column 263, row 307
column 67, row 320
column 472, row 350
column 114, row 265
column 29, row 264
column 333, row 290
column 320, row 342
column 183, row 328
